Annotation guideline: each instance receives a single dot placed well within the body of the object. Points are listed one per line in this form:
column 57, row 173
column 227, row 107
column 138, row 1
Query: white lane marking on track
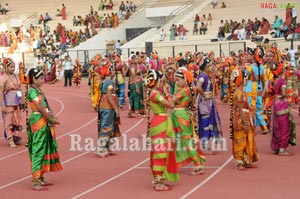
column 59, row 112
column 5, row 157
column 109, row 180
column 206, row 167
column 208, row 178
column 70, row 159
column 27, row 177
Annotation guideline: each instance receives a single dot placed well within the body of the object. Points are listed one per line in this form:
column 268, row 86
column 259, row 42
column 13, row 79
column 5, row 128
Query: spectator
column 195, row 29
column 6, row 9
column 67, row 65
column 63, row 12
column 197, row 19
column 172, row 32
column 122, row 7
column 132, row 6
column 58, row 13
column 203, row 28
column 214, row 3
column 209, row 19
column 162, row 35
column 277, row 23
column 47, row 18
column 294, row 14
column 223, row 5
column 221, row 34
column 34, row 46
column 226, row 27
column 41, row 19
column 284, row 31
column 117, row 47
column 241, row 33
column 101, row 6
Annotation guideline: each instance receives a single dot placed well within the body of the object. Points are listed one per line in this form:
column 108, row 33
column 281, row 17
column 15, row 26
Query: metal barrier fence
column 220, row 49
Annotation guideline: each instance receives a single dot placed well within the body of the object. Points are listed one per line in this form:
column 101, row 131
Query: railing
column 181, row 8
column 221, row 49
column 28, row 17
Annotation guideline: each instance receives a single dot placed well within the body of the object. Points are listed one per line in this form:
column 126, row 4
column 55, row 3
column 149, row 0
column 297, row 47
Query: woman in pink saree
column 11, row 102
column 282, row 125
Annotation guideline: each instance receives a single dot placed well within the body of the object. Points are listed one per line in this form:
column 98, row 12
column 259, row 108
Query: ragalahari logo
column 274, row 5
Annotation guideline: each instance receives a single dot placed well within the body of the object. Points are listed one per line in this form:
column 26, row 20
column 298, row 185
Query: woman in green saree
column 42, row 144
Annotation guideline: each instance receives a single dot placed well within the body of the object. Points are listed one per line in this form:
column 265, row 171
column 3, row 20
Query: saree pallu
column 243, row 143
column 187, row 142
column 209, row 123
column 42, row 147
column 162, row 156
column 121, row 95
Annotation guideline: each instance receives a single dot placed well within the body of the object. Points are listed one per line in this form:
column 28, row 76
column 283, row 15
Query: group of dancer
column 260, row 84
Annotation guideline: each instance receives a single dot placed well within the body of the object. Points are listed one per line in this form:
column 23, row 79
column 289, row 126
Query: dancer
column 108, row 113
column 162, row 156
column 282, row 125
column 187, row 143
column 209, row 124
column 243, row 143
column 42, row 145
column 11, row 102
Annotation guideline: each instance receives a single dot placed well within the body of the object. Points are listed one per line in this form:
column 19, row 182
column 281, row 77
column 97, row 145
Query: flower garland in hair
column 148, row 110
column 233, row 78
column 26, row 105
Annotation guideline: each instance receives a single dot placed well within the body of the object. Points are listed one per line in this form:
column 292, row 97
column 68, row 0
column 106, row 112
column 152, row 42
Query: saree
column 108, row 127
column 162, row 156
column 42, row 145
column 187, row 142
column 243, row 143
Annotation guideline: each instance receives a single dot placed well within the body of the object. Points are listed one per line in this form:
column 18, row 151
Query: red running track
column 128, row 175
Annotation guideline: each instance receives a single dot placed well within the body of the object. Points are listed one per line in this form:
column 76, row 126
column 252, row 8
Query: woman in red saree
column 63, row 12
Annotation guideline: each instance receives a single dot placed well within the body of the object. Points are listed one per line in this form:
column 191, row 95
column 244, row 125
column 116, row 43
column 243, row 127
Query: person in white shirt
column 214, row 3
column 242, row 34
column 117, row 47
column 294, row 14
column 38, row 63
column 68, row 70
column 34, row 46
column 162, row 35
